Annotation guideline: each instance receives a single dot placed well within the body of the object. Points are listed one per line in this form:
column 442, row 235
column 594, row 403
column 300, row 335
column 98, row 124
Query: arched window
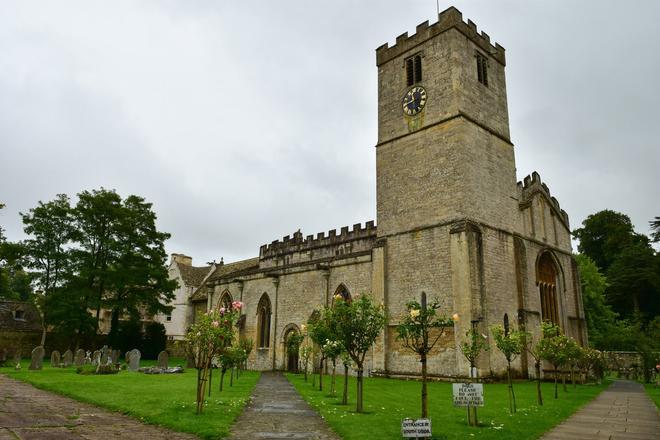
column 343, row 292
column 225, row 300
column 263, row 322
column 547, row 282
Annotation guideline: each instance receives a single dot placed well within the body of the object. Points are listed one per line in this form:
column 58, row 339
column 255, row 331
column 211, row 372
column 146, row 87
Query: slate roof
column 225, row 271
column 193, row 276
column 30, row 321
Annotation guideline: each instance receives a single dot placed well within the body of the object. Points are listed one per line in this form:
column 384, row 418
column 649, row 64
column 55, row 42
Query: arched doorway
column 292, row 340
column 343, row 291
column 547, row 282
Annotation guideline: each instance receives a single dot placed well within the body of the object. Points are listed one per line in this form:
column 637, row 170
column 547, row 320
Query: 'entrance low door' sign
column 416, row 428
column 468, row 394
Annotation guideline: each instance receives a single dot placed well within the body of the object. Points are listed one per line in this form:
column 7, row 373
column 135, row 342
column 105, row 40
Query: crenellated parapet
column 296, row 243
column 531, row 185
column 447, row 19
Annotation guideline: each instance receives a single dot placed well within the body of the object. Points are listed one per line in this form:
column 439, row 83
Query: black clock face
column 414, row 101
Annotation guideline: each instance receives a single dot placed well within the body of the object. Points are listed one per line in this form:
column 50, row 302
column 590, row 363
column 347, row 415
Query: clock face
column 414, row 101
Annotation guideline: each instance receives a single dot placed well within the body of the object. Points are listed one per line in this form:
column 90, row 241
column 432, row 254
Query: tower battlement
column 296, row 243
column 447, row 19
column 532, row 184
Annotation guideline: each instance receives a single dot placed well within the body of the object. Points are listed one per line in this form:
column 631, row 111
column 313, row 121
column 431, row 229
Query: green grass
column 167, row 400
column 654, row 393
column 388, row 401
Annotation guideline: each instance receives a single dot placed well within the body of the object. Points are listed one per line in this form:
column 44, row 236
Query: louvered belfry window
column 413, row 69
column 482, row 69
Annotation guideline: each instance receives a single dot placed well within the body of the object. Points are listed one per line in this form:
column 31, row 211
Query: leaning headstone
column 68, row 358
column 37, row 360
column 79, row 359
column 115, row 356
column 96, row 357
column 55, row 358
column 163, row 359
column 104, row 355
column 134, row 360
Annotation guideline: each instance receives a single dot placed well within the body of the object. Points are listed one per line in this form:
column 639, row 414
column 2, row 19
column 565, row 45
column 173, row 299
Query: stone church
column 451, row 220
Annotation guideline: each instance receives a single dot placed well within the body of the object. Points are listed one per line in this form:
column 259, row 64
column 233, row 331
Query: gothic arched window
column 263, row 322
column 342, row 291
column 225, row 300
column 547, row 282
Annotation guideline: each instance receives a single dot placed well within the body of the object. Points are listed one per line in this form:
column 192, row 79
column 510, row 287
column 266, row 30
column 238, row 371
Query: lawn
column 388, row 401
column 654, row 393
column 167, row 400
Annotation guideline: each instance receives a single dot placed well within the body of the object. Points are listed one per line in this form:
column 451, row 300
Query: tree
column 536, row 351
column 655, row 227
column 419, row 330
column 634, row 278
column 49, row 228
column 357, row 324
column 320, row 332
column 471, row 349
column 510, row 343
column 208, row 338
column 599, row 315
column 603, row 235
column 554, row 348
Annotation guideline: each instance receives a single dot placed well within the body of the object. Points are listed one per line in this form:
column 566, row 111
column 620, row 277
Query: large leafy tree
column 628, row 261
column 603, row 235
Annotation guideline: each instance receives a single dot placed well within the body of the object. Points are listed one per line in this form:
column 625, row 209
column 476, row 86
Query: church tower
column 447, row 200
column 443, row 151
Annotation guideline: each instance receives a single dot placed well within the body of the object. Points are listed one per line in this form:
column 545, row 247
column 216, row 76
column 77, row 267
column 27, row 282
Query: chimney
column 181, row 259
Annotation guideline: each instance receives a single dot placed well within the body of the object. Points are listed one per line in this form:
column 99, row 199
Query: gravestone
column 68, row 358
column 127, row 357
column 37, row 360
column 79, row 359
column 163, row 359
column 88, row 358
column 96, row 358
column 55, row 359
column 104, row 355
column 134, row 360
column 115, row 356
column 17, row 357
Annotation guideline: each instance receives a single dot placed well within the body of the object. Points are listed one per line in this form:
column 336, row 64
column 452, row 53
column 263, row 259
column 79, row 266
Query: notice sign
column 468, row 394
column 416, row 428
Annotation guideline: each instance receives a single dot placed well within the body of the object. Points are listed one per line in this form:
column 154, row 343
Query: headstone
column 104, row 355
column 134, row 360
column 96, row 357
column 68, row 358
column 37, row 358
column 127, row 357
column 163, row 359
column 55, row 359
column 17, row 358
column 115, row 356
column 88, row 358
column 79, row 359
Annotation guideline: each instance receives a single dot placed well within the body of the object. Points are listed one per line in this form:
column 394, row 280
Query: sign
column 416, row 428
column 468, row 394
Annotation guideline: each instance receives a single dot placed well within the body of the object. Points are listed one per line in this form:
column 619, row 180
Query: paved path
column 28, row 413
column 623, row 411
column 277, row 411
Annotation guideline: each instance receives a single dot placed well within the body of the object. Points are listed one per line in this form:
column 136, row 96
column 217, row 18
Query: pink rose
column 215, row 324
column 222, row 310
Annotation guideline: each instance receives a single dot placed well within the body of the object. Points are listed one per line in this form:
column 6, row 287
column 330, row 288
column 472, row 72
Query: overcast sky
column 244, row 121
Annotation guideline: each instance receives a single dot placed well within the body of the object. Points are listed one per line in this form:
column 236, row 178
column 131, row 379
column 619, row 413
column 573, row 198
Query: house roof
column 193, row 276
column 224, row 271
column 29, row 320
